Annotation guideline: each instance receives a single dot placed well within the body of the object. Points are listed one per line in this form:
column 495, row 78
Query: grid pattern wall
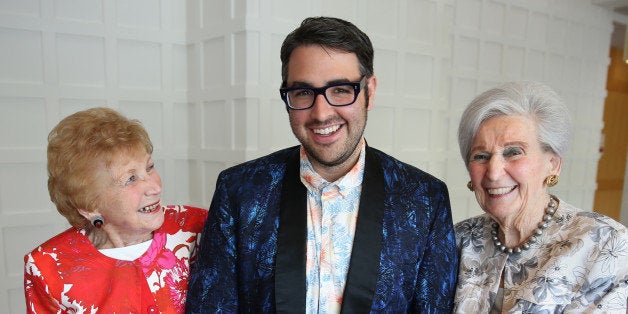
column 62, row 56
column 203, row 77
column 562, row 43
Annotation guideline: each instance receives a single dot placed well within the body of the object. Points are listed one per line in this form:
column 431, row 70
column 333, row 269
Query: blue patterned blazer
column 252, row 252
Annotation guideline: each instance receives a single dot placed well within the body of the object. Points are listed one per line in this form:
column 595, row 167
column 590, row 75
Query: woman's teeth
column 149, row 209
column 499, row 191
column 328, row 130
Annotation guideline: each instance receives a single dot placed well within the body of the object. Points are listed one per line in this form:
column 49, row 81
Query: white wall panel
column 70, row 106
column 80, row 60
column 19, row 192
column 564, row 44
column 203, row 77
column 20, row 7
column 181, row 56
column 21, row 56
column 418, row 76
column 246, row 129
column 217, row 126
column 62, row 56
column 22, row 121
column 149, row 17
column 150, row 114
column 215, row 63
column 88, row 11
column 415, row 130
column 139, row 65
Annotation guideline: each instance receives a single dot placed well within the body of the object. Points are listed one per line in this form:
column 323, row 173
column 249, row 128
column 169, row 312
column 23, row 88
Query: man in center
column 332, row 225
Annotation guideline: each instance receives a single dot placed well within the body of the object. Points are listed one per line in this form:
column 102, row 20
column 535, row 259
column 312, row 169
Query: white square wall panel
column 537, row 28
column 214, row 13
column 87, row 11
column 20, row 7
column 214, row 63
column 380, row 127
column 247, row 123
column 463, row 91
column 181, row 182
column 22, row 123
column 415, row 132
column 513, row 61
column 491, row 56
column 493, row 17
column 21, row 56
column 468, row 14
column 382, row 19
column 385, row 68
column 181, row 56
column 216, row 125
column 15, row 178
column 70, row 106
column 246, row 47
column 139, row 65
column 141, row 14
column 535, row 62
column 184, row 126
column 150, row 114
column 421, row 18
column 517, row 21
column 419, row 75
column 81, row 60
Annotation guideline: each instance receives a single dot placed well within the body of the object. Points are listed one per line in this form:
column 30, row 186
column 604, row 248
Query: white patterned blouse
column 578, row 265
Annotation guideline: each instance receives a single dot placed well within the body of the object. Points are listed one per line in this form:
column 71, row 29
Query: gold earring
column 470, row 186
column 551, row 180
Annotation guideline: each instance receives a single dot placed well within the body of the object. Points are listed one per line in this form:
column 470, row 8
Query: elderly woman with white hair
column 531, row 251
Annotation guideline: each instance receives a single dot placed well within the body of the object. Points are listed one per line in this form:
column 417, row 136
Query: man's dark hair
column 332, row 33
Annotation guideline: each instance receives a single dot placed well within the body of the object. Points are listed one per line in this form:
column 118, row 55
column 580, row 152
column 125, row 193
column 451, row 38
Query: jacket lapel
column 367, row 243
column 291, row 240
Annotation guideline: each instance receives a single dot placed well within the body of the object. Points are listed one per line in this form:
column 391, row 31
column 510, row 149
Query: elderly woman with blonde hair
column 125, row 251
column 531, row 251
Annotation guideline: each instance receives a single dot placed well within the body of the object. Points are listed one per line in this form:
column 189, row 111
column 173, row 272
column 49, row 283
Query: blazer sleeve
column 212, row 286
column 438, row 271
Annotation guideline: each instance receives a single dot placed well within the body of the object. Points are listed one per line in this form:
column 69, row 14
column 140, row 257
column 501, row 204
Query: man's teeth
column 149, row 209
column 499, row 191
column 327, row 131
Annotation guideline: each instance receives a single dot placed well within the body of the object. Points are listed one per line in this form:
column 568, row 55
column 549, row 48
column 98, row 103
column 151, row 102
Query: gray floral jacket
column 579, row 265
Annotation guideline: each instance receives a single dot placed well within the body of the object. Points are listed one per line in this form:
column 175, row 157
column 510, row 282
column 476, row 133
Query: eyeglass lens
column 339, row 95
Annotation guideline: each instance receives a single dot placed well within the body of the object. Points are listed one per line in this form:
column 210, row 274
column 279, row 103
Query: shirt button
column 152, row 309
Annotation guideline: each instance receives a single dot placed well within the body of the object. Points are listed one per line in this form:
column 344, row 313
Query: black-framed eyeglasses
column 336, row 94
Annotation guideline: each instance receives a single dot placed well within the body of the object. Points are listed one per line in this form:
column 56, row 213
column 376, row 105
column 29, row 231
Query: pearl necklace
column 547, row 218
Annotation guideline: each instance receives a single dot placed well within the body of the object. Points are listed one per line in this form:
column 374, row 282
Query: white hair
column 526, row 98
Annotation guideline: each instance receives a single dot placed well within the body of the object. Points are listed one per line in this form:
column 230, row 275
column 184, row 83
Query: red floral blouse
column 67, row 274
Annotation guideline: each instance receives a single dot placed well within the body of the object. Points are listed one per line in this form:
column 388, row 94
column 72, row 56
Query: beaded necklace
column 547, row 219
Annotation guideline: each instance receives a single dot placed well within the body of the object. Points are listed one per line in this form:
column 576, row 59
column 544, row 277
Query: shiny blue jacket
column 252, row 252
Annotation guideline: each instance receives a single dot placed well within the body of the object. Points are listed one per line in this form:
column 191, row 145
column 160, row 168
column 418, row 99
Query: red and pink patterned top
column 67, row 274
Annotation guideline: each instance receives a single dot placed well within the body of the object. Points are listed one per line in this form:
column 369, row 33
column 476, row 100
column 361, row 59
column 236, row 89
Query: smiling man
column 330, row 225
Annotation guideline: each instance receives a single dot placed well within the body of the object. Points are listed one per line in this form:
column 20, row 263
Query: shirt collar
column 313, row 181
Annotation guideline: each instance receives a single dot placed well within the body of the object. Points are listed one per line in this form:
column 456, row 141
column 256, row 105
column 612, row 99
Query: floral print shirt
column 67, row 274
column 332, row 211
column 578, row 265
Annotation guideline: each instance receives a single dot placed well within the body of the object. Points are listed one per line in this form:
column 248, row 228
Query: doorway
column 611, row 169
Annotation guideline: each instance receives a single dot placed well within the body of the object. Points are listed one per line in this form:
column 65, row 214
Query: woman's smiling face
column 130, row 198
column 508, row 167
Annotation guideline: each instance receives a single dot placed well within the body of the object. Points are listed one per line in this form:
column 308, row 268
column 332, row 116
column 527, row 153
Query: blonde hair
column 78, row 149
